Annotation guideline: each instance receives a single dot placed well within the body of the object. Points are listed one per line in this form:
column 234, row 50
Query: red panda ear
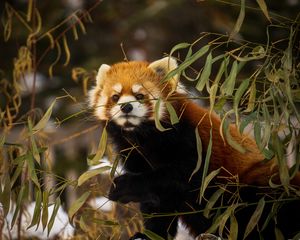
column 163, row 66
column 104, row 68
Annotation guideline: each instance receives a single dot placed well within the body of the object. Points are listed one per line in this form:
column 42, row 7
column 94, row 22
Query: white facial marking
column 139, row 110
column 101, row 107
column 117, row 87
column 136, row 88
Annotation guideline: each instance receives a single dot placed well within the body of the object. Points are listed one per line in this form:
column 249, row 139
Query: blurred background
column 106, row 32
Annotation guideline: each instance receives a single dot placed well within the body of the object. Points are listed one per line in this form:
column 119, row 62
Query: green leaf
column 34, row 149
column 230, row 140
column 5, row 194
column 156, row 117
column 206, row 166
column 211, row 202
column 101, row 149
column 44, row 120
column 114, row 167
column 252, row 97
column 152, row 235
column 37, row 208
column 228, row 85
column 32, row 170
column 54, row 213
column 84, row 227
column 78, row 204
column 2, row 140
column 263, row 6
column 173, row 114
column 278, row 234
column 207, row 180
column 178, row 47
column 89, row 174
column 45, row 209
column 237, row 98
column 255, row 217
column 240, row 20
column 204, row 77
column 187, row 62
column 234, row 228
column 199, row 153
column 23, row 193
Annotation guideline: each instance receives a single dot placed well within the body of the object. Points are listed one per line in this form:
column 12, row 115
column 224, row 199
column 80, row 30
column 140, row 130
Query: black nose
column 126, row 107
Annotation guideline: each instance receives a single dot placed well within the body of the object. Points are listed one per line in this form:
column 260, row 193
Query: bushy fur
column 159, row 164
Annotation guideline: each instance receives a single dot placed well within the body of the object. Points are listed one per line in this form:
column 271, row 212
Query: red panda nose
column 126, row 107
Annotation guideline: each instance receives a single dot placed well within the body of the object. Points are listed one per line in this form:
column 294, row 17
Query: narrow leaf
column 45, row 209
column 44, row 120
column 252, row 97
column 237, row 98
column 207, row 180
column 263, row 6
column 78, row 204
column 178, row 47
column 255, row 217
column 157, row 117
column 211, row 202
column 89, row 174
column 101, row 149
column 239, row 21
column 199, row 153
column 152, row 235
column 230, row 140
column 204, row 77
column 234, row 228
column 37, row 208
column 228, row 85
column 5, row 195
column 32, row 170
column 173, row 115
column 23, row 193
column 187, row 62
column 206, row 166
column 53, row 215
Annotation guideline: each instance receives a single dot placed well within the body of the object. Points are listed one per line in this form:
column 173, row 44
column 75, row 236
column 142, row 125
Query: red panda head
column 127, row 92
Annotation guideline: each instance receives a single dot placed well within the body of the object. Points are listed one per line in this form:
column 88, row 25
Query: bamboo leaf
column 207, row 180
column 152, row 235
column 204, row 77
column 255, row 217
column 228, row 85
column 78, row 204
column 234, row 228
column 83, row 225
column 206, row 166
column 187, row 62
column 199, row 153
column 173, row 115
column 278, row 234
column 252, row 97
column 53, row 215
column 239, row 21
column 230, row 140
column 263, row 6
column 211, row 202
column 178, row 47
column 32, row 170
column 101, row 149
column 44, row 120
column 5, row 194
column 45, row 209
column 37, row 208
column 156, row 117
column 89, row 174
column 237, row 98
column 23, row 193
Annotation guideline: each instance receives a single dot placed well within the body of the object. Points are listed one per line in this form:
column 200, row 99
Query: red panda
column 129, row 98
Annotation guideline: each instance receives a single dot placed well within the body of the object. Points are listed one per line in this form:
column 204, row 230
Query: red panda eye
column 115, row 97
column 139, row 96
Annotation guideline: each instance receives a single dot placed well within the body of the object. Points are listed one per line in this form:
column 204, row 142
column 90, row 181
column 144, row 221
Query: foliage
column 259, row 83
